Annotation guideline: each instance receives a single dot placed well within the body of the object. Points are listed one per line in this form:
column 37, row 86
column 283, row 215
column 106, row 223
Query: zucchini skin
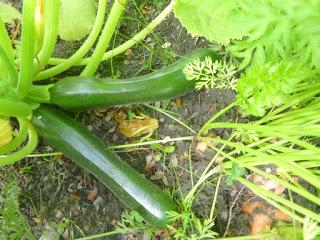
column 82, row 93
column 75, row 141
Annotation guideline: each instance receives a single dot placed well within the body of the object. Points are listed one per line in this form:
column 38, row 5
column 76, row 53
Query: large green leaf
column 213, row 19
column 8, row 13
column 257, row 31
column 76, row 18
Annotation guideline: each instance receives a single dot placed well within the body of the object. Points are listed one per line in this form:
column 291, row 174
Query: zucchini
column 75, row 141
column 81, row 93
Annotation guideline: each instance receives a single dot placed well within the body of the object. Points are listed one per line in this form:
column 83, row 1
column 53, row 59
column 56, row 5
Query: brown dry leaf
column 145, row 9
column 165, row 180
column 128, row 53
column 150, row 165
column 163, row 234
column 38, row 219
column 136, row 127
column 91, row 196
column 74, row 197
column 100, row 112
column 179, row 101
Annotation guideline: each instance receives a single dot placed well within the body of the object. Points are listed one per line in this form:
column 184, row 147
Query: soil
column 54, row 190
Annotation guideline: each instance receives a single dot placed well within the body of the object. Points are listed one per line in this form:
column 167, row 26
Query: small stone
column 201, row 146
column 90, row 128
column 58, row 214
column 174, row 161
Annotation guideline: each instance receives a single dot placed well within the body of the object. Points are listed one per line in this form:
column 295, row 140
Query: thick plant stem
column 50, row 28
column 77, row 56
column 105, row 38
column 128, row 44
column 28, row 48
column 10, row 108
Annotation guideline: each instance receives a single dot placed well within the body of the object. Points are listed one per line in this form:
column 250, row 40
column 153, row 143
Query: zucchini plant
column 22, row 95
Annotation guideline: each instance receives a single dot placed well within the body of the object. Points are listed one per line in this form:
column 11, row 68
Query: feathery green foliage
column 12, row 222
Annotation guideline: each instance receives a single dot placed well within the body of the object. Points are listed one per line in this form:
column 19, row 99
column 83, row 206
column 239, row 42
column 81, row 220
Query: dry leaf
column 74, row 197
column 136, row 127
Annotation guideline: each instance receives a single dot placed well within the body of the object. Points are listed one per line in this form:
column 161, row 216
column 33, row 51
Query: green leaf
column 8, row 13
column 169, row 149
column 262, row 87
column 217, row 20
column 76, row 18
column 236, row 171
column 13, row 223
column 257, row 31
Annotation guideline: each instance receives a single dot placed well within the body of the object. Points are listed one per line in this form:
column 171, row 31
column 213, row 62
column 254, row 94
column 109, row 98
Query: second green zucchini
column 75, row 141
column 82, row 93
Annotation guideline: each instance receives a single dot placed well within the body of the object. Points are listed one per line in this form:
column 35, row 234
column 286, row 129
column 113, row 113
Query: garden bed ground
column 54, row 191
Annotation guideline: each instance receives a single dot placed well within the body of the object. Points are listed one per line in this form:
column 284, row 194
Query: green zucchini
column 75, row 141
column 81, row 93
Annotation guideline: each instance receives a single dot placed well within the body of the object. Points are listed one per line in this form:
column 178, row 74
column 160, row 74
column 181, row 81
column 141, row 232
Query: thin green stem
column 256, row 237
column 102, row 235
column 170, row 116
column 105, row 38
column 288, row 165
column 44, row 154
column 301, row 191
column 128, row 44
column 274, row 198
column 268, row 131
column 28, row 37
column 77, row 56
column 188, row 138
column 213, row 206
column 308, row 93
column 267, row 195
column 206, row 126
